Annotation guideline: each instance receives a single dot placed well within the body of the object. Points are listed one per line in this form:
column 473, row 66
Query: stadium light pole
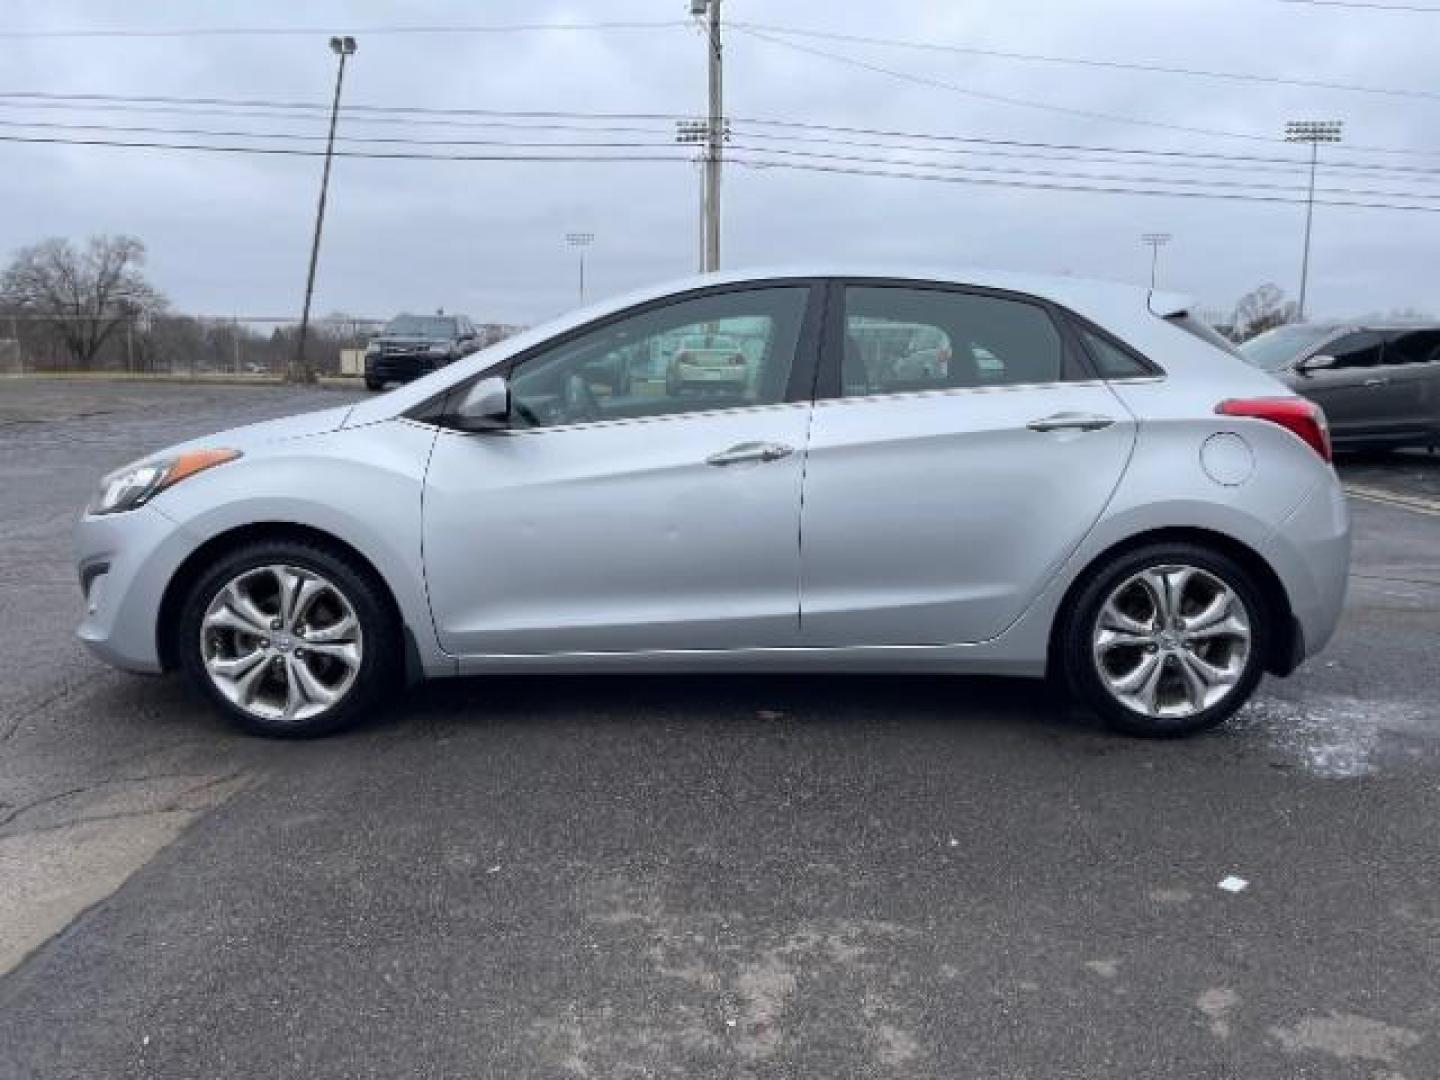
column 302, row 371
column 1155, row 240
column 580, row 241
column 1313, row 132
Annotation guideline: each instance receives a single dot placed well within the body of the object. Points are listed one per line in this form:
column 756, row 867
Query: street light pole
column 580, row 241
column 1313, row 132
column 1156, row 240
column 302, row 371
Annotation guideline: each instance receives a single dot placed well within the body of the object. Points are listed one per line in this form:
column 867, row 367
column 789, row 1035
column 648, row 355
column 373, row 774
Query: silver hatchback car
column 1088, row 487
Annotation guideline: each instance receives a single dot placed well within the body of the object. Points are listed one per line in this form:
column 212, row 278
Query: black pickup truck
column 415, row 345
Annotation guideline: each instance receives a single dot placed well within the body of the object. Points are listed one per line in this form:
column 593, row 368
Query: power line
column 471, row 117
column 761, row 162
column 1289, row 166
column 312, row 31
column 940, row 84
column 1080, row 61
column 1106, row 177
column 1368, row 6
column 1046, row 186
column 141, row 129
column 1088, row 114
column 289, row 151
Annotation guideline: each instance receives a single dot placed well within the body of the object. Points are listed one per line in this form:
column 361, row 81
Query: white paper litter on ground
column 1234, row 884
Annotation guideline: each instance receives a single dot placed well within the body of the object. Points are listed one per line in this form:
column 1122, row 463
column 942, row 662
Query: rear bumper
column 1310, row 551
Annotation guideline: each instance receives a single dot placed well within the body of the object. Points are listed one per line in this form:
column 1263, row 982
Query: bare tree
column 82, row 296
column 1262, row 309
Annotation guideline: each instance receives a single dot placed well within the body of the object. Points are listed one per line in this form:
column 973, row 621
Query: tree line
column 91, row 308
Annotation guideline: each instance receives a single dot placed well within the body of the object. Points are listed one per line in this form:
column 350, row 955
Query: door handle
column 1071, row 421
column 750, row 451
column 1376, row 380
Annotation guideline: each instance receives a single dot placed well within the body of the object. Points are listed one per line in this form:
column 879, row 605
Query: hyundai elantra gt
column 973, row 472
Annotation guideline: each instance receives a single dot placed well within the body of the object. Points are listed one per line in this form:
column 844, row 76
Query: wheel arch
column 188, row 572
column 1286, row 645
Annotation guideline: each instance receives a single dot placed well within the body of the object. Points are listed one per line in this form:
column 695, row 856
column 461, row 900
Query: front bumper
column 125, row 563
column 401, row 367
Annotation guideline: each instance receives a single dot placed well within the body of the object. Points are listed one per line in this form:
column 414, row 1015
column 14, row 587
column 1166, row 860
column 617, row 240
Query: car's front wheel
column 1169, row 639
column 289, row 638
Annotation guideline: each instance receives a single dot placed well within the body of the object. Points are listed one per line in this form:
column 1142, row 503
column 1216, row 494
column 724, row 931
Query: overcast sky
column 230, row 233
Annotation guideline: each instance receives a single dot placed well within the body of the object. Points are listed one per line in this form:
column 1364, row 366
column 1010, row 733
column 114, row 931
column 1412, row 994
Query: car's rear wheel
column 289, row 638
column 374, row 384
column 1169, row 639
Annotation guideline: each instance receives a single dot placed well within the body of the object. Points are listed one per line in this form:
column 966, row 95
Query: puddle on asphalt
column 1334, row 738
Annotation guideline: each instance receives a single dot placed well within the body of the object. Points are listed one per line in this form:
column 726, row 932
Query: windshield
column 421, row 326
column 1277, row 348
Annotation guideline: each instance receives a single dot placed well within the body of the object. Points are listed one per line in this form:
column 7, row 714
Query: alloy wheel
column 1171, row 641
column 281, row 642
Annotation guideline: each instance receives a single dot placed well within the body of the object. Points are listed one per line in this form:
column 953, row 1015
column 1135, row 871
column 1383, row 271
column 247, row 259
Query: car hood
column 251, row 436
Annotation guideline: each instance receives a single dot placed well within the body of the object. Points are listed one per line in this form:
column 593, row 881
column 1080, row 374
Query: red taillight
column 1297, row 415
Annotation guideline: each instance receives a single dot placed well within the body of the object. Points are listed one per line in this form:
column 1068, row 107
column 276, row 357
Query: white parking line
column 1388, row 498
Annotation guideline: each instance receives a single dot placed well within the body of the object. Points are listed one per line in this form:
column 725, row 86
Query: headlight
column 135, row 485
column 439, row 350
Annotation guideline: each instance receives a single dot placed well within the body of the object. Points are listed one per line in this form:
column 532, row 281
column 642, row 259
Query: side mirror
column 1318, row 362
column 485, row 406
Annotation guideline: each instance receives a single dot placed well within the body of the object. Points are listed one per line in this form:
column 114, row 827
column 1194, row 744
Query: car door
column 937, row 505
column 1412, row 366
column 1351, row 390
column 608, row 522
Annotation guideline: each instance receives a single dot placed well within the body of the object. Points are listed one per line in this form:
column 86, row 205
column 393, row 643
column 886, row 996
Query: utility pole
column 302, row 371
column 1313, row 132
column 1156, row 240
column 580, row 241
column 712, row 131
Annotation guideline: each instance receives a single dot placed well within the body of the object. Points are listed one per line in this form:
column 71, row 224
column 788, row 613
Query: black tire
column 373, row 384
column 1077, row 664
column 381, row 657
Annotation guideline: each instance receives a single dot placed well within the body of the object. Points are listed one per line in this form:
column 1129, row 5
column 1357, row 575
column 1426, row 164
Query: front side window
column 725, row 350
column 900, row 339
column 1362, row 349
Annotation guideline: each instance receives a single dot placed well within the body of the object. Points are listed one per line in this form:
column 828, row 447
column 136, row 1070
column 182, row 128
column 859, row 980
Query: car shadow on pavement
column 813, row 700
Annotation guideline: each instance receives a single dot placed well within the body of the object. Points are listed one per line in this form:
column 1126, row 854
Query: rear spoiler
column 1168, row 305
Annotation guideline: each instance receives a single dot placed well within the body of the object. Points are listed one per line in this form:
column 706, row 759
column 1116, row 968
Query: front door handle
column 750, row 451
column 1071, row 421
column 1376, row 380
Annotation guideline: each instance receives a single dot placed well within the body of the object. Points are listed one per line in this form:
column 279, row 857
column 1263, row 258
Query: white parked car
column 1113, row 500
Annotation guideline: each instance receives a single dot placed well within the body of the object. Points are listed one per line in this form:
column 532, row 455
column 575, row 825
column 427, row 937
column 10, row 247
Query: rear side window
column 1111, row 361
column 1413, row 347
column 900, row 339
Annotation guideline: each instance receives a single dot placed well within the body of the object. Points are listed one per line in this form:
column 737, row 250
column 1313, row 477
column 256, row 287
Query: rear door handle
column 1071, row 421
column 750, row 451
column 1376, row 380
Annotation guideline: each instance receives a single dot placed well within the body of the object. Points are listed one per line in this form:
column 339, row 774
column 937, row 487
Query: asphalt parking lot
column 676, row 876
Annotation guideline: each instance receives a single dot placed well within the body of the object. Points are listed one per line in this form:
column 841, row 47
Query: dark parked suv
column 1379, row 385
column 414, row 345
